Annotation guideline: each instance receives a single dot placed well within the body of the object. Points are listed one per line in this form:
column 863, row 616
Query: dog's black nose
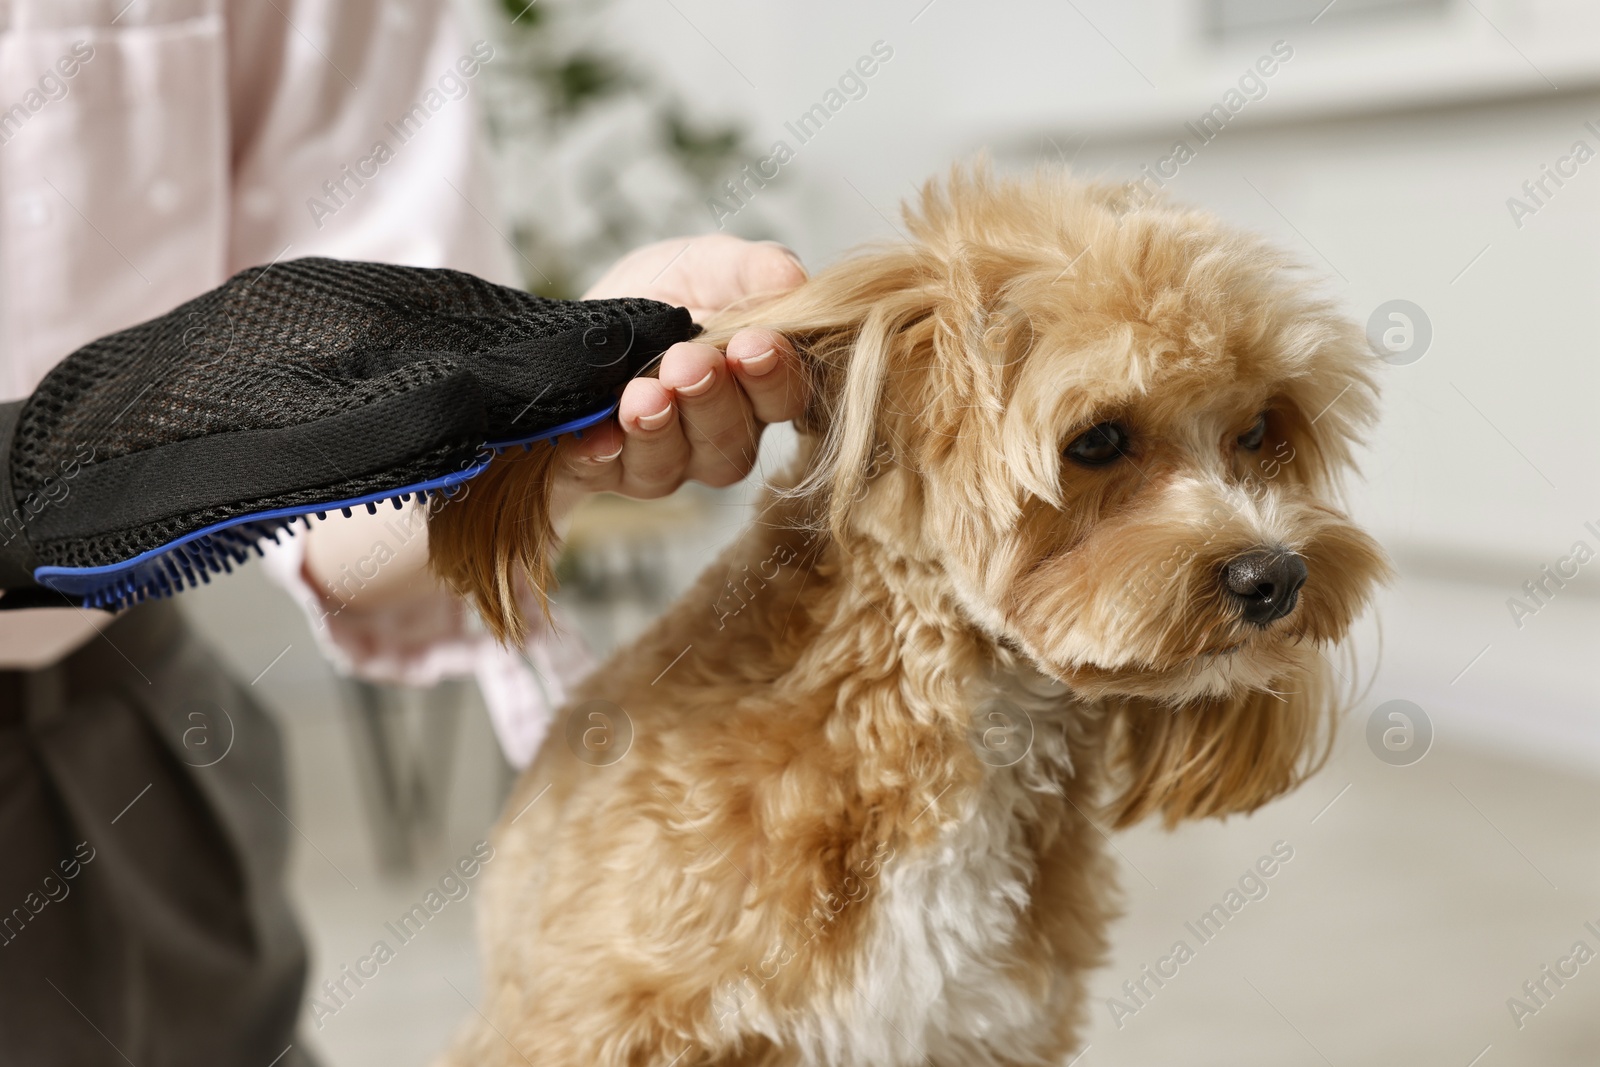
column 1265, row 583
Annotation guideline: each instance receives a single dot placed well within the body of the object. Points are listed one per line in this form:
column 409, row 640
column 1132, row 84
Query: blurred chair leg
column 440, row 731
column 404, row 783
column 370, row 712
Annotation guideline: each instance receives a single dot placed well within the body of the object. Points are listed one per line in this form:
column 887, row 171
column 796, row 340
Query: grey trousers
column 143, row 832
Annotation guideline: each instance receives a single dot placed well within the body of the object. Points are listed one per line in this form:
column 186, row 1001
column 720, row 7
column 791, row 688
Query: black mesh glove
column 151, row 457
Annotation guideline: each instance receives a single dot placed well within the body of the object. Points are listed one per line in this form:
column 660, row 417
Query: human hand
column 701, row 418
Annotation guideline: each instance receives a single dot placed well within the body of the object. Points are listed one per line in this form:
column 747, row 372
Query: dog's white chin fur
column 1252, row 668
column 1258, row 663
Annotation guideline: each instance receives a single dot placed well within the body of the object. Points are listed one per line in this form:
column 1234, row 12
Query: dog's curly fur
column 859, row 820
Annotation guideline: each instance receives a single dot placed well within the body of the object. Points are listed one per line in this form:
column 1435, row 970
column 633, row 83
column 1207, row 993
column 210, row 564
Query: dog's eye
column 1099, row 445
column 1251, row 439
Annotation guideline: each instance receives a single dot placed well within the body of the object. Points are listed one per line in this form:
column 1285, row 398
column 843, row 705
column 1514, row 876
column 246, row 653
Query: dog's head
column 1115, row 430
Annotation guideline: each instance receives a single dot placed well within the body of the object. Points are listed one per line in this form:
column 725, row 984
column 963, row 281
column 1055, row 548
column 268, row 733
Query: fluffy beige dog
column 1059, row 549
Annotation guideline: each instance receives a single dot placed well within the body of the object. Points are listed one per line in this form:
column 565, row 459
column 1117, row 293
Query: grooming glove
column 153, row 457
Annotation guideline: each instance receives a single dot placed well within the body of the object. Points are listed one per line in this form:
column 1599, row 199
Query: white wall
column 1382, row 154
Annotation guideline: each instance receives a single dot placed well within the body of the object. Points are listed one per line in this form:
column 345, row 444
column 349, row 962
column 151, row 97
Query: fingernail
column 698, row 387
column 756, row 366
column 656, row 421
column 607, row 458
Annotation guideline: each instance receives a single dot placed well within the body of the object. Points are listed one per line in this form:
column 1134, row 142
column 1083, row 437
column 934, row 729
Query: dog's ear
column 495, row 542
column 852, row 325
column 1219, row 757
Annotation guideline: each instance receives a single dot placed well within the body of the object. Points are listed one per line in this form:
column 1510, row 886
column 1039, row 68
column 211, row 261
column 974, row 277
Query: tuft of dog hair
column 495, row 539
column 941, row 560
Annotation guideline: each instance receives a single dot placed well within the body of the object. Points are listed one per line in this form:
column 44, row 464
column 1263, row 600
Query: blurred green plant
column 594, row 155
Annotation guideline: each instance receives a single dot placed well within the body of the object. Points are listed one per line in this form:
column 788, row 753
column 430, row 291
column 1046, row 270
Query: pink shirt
column 149, row 149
